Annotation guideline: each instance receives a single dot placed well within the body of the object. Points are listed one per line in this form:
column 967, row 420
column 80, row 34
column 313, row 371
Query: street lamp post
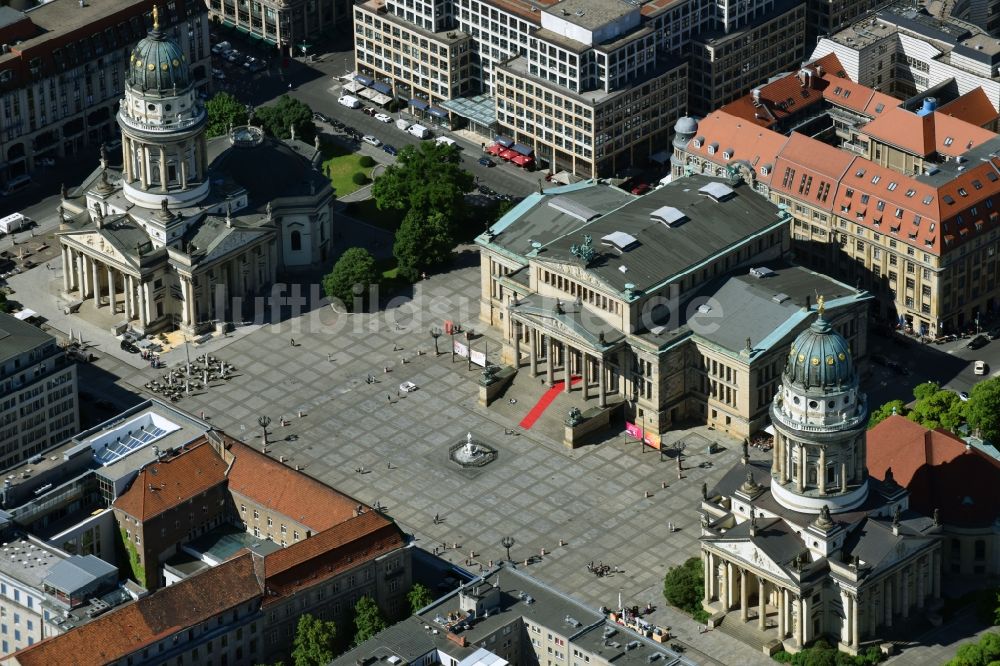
column 468, row 347
column 263, row 422
column 436, row 333
column 507, row 542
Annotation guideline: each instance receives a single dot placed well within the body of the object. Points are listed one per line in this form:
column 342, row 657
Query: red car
column 641, row 188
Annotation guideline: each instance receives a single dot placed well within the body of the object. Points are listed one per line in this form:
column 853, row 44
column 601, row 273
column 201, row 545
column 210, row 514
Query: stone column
column 843, row 477
column 126, row 165
column 921, row 587
column 533, row 353
column 936, row 573
column 845, row 629
column 81, row 275
column 761, row 603
column 730, row 586
column 744, row 596
column 143, row 313
column 96, row 288
column 517, row 345
column 549, row 360
column 821, row 471
column 67, row 262
column 782, row 609
column 111, row 289
column 802, row 467
column 855, row 638
column 567, row 371
column 127, row 286
column 887, row 600
column 805, row 618
column 185, row 320
column 182, row 159
column 798, row 621
column 706, row 560
column 142, row 157
column 163, row 169
column 602, row 397
column 202, row 157
column 904, row 592
column 586, row 374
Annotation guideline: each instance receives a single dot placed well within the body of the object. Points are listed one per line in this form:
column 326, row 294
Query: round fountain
column 472, row 453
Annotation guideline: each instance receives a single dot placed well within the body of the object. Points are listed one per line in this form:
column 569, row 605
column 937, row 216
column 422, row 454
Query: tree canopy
column 224, row 111
column 983, row 653
column 352, row 275
column 422, row 243
column 418, row 596
column 368, row 619
column 684, row 587
column 426, row 178
column 983, row 409
column 934, row 408
column 887, row 410
column 313, row 644
column 278, row 118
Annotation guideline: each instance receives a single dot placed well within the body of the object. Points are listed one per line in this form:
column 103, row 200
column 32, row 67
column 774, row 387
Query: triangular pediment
column 752, row 555
column 103, row 246
column 574, row 270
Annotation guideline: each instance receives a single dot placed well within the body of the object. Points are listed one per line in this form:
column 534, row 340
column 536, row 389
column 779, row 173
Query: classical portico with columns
column 807, row 545
column 189, row 231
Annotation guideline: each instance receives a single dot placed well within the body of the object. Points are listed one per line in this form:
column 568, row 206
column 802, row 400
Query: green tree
column 425, row 178
column 422, row 243
column 684, row 587
column 359, row 178
column 940, row 409
column 368, row 619
column 887, row 410
column 419, row 597
column 983, row 409
column 925, row 390
column 366, row 161
column 224, row 111
column 278, row 119
column 356, row 266
column 970, row 654
column 313, row 645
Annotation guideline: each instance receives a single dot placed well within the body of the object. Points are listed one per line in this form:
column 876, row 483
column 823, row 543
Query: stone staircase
column 746, row 633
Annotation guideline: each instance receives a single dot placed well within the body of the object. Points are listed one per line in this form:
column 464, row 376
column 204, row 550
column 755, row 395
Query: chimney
column 927, row 122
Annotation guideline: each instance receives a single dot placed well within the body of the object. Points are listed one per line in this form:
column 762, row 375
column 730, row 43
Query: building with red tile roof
column 973, row 107
column 882, row 194
column 248, row 605
column 944, row 474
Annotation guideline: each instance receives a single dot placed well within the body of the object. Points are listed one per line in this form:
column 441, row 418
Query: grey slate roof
column 17, row 337
column 78, row 572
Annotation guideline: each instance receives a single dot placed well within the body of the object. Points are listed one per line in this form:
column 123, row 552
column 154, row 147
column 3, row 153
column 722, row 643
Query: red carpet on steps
column 543, row 403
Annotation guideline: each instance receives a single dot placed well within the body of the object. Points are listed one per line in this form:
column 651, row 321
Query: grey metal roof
column 18, row 337
column 591, row 14
column 78, row 572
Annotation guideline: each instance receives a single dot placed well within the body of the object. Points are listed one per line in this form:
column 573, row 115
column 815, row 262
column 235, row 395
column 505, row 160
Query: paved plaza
column 539, row 492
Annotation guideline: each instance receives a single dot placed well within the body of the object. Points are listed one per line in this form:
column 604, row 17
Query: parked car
column 641, row 188
column 248, row 63
column 369, row 111
column 234, row 56
column 258, row 66
column 322, row 117
column 407, row 387
column 979, row 368
column 129, row 346
column 218, row 74
column 383, row 118
column 390, row 149
column 993, row 333
column 368, row 138
column 487, row 162
column 978, row 342
column 349, row 101
column 222, row 48
column 963, row 396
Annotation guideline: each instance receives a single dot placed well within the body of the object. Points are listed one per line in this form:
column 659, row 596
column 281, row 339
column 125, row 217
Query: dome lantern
column 157, row 64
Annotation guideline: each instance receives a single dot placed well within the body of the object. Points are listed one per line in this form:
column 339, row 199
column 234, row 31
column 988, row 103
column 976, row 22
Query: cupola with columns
column 820, row 419
column 163, row 126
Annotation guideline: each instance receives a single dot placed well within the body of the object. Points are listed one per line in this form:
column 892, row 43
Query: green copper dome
column 820, row 358
column 158, row 64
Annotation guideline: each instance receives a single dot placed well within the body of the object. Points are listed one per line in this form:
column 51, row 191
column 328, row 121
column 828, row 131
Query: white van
column 13, row 222
column 349, row 102
column 403, row 124
column 419, row 131
column 16, row 184
column 446, row 141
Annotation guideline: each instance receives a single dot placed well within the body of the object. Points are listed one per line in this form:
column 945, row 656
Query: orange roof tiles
column 938, row 469
column 170, row 610
column 809, row 170
column 744, row 142
column 286, row 490
column 974, row 107
column 169, row 482
column 924, row 135
column 330, row 552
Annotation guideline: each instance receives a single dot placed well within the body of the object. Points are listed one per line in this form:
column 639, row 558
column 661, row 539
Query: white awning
column 25, row 314
column 381, row 99
column 367, row 93
column 353, row 87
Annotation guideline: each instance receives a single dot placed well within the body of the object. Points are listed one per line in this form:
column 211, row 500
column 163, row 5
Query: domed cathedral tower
column 163, row 127
column 820, row 419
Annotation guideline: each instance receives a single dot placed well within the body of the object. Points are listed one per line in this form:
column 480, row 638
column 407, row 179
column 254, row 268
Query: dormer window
column 948, row 141
column 712, row 148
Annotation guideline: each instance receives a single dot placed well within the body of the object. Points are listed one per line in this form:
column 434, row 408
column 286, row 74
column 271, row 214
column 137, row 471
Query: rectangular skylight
column 668, row 215
column 573, row 208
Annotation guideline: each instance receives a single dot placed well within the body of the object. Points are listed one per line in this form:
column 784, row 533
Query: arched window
column 296, row 240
